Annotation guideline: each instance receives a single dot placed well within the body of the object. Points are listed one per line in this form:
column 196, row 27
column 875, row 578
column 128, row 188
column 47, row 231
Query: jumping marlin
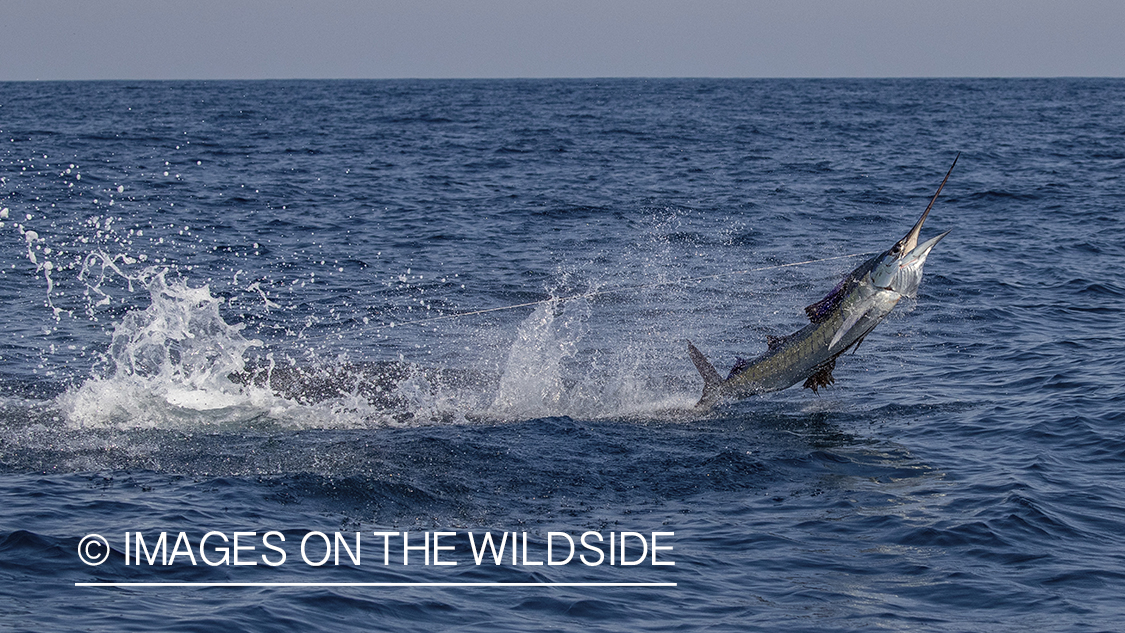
column 838, row 322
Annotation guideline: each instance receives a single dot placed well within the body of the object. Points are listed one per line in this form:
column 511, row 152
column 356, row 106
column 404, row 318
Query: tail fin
column 711, row 378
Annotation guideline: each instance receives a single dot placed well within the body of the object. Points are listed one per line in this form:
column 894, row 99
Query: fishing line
column 596, row 293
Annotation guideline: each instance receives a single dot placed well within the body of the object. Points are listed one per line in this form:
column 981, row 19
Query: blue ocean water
column 462, row 307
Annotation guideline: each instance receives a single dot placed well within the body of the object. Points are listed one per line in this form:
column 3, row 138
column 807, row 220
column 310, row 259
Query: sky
column 373, row 39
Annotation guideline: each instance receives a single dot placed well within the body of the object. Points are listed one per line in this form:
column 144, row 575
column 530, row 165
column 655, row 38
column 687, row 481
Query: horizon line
column 375, row 584
column 570, row 78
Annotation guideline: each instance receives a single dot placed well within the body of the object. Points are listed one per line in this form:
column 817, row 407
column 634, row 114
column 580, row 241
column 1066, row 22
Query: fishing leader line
column 596, row 293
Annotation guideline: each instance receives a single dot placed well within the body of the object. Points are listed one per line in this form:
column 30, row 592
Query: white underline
column 374, row 584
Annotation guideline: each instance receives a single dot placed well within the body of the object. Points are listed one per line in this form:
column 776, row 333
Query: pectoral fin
column 852, row 315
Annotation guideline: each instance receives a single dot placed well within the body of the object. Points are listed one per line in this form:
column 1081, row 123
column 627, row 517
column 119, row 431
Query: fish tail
column 712, row 381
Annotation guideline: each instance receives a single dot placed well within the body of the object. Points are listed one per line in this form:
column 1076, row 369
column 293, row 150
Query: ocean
column 411, row 356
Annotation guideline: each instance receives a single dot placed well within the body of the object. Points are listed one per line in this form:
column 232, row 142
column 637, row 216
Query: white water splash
column 170, row 363
column 532, row 382
column 560, row 365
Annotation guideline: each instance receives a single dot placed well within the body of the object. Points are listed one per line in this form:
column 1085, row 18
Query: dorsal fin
column 740, row 365
column 774, row 342
column 822, row 376
column 818, row 312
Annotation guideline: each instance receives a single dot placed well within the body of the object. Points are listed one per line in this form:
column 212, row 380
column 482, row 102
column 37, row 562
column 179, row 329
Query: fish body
column 837, row 323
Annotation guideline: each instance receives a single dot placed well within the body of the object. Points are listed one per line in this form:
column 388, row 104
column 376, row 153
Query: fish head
column 900, row 269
